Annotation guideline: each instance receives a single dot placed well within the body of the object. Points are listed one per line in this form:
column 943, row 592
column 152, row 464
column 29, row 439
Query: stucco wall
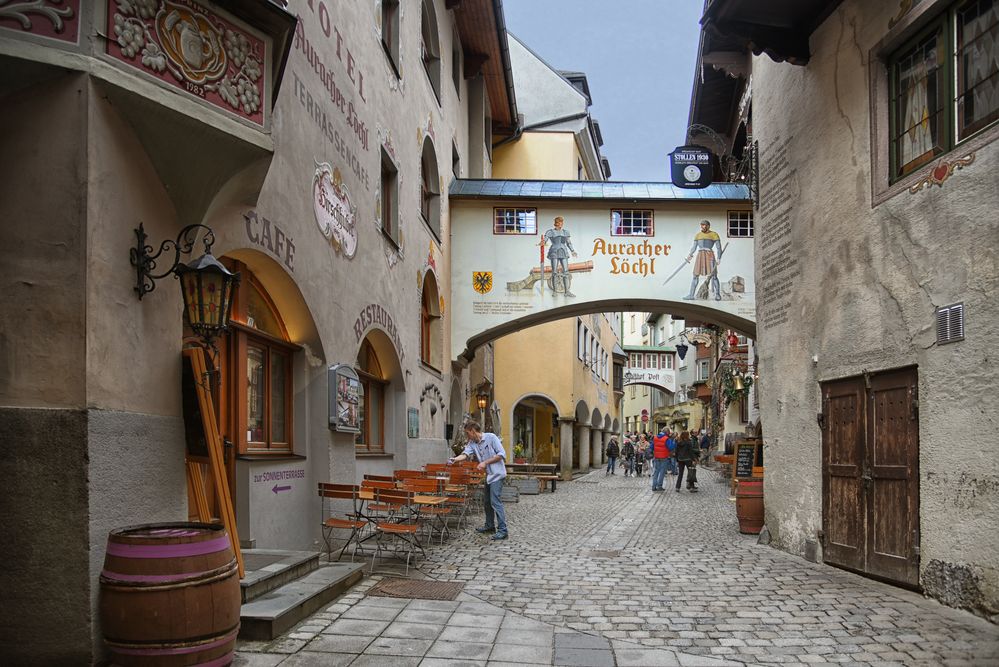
column 870, row 279
column 539, row 155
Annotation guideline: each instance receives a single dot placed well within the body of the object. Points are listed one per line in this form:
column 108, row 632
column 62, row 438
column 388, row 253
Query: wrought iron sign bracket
column 145, row 262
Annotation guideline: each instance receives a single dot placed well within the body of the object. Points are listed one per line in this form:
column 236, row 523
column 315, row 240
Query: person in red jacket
column 660, row 454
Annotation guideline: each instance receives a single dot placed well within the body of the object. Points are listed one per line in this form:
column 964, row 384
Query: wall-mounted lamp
column 482, row 400
column 206, row 285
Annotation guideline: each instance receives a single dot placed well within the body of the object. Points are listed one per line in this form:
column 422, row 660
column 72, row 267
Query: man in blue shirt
column 489, row 452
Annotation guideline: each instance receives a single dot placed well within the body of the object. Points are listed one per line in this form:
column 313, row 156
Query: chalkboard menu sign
column 746, row 455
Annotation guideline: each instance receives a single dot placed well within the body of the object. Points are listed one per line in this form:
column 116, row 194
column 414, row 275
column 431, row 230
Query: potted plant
column 518, row 453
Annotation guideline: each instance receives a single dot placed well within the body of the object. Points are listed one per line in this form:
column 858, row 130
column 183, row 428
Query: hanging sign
column 691, row 166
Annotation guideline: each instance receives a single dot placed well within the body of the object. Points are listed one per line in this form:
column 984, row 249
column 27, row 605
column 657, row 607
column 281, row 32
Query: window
column 633, row 323
column 256, row 402
column 390, row 32
column 390, row 198
column 430, row 47
column 456, row 63
column 632, row 222
column 515, row 221
column 703, row 369
column 943, row 85
column 430, row 190
column 635, row 360
column 487, row 131
column 652, row 360
column 371, row 407
column 744, row 409
column 580, row 340
column 740, row 224
column 645, row 390
column 633, row 390
column 455, row 160
column 431, row 327
column 667, row 361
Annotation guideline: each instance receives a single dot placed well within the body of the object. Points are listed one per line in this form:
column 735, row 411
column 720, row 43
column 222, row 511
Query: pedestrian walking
column 488, row 450
column 660, row 454
column 671, row 445
column 687, row 453
column 612, row 453
column 628, row 456
column 641, row 451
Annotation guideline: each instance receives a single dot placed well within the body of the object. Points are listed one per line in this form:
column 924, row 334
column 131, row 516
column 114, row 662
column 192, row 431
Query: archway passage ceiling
column 618, row 247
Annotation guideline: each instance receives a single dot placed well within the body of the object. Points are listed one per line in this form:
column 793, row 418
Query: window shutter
column 950, row 323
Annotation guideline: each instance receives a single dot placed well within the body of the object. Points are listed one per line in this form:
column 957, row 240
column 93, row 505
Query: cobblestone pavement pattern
column 614, row 573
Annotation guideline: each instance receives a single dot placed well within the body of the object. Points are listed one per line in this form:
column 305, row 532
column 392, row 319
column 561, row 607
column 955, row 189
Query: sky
column 638, row 56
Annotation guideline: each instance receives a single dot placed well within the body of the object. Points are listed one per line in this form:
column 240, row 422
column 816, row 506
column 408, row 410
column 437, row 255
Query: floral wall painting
column 335, row 213
column 197, row 50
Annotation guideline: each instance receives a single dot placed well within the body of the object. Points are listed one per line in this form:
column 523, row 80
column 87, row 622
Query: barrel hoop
column 169, row 550
column 136, row 582
column 175, row 648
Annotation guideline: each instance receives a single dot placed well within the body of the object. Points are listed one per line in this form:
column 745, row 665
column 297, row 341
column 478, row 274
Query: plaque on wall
column 344, row 399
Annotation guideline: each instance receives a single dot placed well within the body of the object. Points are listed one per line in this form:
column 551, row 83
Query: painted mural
column 512, row 261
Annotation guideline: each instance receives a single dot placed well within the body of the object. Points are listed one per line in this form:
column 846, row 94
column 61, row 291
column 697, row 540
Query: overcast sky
column 638, row 56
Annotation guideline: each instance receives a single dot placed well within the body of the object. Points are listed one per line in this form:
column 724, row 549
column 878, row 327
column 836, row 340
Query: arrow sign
column 278, row 489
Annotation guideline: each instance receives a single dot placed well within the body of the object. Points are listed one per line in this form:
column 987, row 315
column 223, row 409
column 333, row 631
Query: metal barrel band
column 195, row 579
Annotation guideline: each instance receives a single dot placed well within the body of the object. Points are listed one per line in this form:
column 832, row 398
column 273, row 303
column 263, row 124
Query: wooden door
column 870, row 454
column 893, row 472
column 844, row 513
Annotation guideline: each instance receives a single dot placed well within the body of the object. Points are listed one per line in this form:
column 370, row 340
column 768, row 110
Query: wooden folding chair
column 407, row 474
column 400, row 525
column 354, row 521
column 435, row 515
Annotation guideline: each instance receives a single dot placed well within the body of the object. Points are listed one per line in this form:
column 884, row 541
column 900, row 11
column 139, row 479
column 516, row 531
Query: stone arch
column 533, row 423
column 596, row 420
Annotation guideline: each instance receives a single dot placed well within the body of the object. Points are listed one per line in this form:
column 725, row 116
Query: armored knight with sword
column 706, row 253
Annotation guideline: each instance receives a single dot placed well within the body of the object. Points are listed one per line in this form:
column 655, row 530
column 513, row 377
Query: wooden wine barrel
column 749, row 506
column 170, row 595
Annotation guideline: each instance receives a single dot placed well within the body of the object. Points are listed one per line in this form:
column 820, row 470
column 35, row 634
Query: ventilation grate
column 950, row 323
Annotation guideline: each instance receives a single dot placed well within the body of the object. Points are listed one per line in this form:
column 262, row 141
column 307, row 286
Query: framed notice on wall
column 344, row 399
column 413, row 423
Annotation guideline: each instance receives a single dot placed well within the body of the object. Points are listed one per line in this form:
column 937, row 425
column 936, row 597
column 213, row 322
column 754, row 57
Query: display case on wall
column 344, row 399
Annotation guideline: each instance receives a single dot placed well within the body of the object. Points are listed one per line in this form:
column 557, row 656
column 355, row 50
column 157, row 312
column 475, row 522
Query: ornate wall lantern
column 207, row 287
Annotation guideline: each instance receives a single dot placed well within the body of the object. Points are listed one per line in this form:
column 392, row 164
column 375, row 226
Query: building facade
column 316, row 143
column 877, row 225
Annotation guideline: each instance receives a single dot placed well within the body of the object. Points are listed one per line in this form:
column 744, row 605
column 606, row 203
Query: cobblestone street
column 668, row 577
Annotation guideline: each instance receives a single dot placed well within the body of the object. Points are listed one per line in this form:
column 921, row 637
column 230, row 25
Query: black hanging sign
column 691, row 166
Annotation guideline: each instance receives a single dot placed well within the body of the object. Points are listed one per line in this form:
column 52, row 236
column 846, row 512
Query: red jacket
column 659, row 447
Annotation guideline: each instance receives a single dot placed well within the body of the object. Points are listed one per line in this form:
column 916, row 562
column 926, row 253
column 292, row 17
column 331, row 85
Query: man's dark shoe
column 499, row 536
column 485, row 529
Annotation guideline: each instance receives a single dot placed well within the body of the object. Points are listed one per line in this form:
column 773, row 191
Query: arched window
column 430, row 195
column 430, row 47
column 371, row 409
column 256, row 401
column 431, row 327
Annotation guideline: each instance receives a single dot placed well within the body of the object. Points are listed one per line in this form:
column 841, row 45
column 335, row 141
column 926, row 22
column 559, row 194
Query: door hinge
column 820, row 417
column 914, row 402
column 867, row 379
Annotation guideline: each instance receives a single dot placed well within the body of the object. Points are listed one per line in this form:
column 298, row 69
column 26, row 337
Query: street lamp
column 207, row 287
column 482, row 400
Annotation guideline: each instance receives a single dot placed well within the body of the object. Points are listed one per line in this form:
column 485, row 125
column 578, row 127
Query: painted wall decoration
column 200, row 51
column 52, row 19
column 675, row 252
column 335, row 214
column 942, row 171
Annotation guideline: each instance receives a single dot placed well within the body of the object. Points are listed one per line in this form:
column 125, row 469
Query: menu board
column 344, row 399
column 746, row 455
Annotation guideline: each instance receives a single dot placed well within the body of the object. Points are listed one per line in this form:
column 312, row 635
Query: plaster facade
column 873, row 262
column 91, row 376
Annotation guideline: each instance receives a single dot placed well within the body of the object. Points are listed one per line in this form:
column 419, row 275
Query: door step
column 267, row 569
column 275, row 612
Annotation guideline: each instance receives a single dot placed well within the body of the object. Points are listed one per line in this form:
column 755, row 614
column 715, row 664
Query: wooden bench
column 544, row 472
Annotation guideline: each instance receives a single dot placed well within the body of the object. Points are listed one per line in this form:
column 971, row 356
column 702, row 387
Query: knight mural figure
column 558, row 256
column 706, row 253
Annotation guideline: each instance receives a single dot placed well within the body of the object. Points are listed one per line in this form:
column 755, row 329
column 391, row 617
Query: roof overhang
column 778, row 28
column 482, row 28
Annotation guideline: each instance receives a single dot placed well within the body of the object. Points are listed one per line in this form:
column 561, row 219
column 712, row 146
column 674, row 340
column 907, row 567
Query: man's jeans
column 671, row 465
column 611, row 462
column 493, row 505
column 658, row 473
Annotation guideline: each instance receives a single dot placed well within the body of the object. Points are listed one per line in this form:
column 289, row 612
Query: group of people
column 669, row 452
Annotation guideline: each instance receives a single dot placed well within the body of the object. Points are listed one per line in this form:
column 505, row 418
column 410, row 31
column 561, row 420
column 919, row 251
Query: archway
column 581, row 436
column 534, row 426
